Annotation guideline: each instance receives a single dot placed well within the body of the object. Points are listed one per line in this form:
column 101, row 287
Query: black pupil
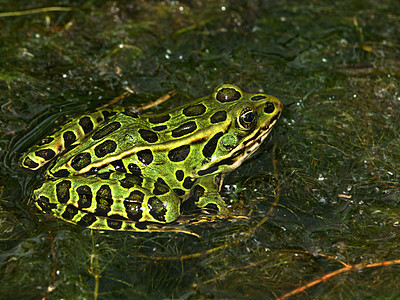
column 269, row 107
column 248, row 117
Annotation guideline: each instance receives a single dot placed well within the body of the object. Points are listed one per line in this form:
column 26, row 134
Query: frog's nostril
column 269, row 107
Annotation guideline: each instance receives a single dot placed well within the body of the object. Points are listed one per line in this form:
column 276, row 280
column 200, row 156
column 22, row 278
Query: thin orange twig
column 337, row 272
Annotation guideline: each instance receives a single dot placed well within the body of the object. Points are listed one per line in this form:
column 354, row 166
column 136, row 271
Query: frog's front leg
column 206, row 191
column 72, row 132
column 117, row 203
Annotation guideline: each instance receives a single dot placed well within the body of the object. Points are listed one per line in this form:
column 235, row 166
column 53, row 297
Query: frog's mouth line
column 254, row 142
column 240, row 154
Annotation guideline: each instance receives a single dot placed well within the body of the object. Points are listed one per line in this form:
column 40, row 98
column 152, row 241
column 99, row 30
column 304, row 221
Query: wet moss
column 321, row 196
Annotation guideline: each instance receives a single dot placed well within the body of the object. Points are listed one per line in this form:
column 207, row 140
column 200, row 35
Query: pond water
column 316, row 209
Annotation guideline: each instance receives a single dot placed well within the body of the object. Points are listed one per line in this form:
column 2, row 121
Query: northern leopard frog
column 114, row 169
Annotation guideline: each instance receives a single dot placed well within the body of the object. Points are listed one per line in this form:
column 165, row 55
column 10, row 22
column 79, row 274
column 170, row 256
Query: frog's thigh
column 70, row 133
column 106, row 203
column 206, row 191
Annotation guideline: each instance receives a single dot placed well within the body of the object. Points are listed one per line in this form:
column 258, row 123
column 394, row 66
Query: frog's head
column 249, row 120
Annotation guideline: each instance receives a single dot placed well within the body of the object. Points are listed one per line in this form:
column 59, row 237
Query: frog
column 116, row 169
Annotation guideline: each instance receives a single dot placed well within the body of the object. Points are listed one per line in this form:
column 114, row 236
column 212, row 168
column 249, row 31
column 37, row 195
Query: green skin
column 115, row 170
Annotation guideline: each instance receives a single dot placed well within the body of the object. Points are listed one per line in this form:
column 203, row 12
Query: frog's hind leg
column 68, row 135
column 109, row 204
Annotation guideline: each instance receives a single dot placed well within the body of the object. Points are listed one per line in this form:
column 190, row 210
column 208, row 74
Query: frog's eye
column 247, row 119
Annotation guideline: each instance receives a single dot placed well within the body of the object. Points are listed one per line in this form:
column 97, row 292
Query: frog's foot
column 204, row 198
column 206, row 193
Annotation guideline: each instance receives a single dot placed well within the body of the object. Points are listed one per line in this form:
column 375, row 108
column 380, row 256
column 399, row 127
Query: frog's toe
column 214, row 202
